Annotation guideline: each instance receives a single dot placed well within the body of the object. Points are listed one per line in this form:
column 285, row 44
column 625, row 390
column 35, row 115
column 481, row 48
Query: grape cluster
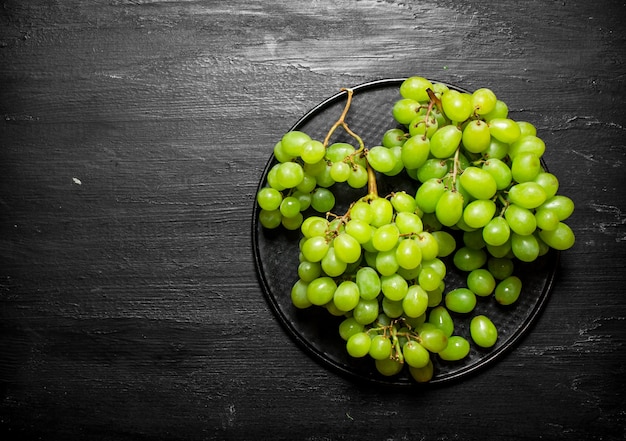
column 380, row 265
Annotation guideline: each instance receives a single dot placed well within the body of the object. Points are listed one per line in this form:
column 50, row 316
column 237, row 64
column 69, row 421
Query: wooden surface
column 132, row 138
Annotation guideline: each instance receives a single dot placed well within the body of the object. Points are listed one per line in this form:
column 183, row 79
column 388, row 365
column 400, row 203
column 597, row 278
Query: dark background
column 133, row 135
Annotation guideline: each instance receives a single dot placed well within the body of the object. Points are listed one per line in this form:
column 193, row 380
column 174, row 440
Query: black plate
column 314, row 329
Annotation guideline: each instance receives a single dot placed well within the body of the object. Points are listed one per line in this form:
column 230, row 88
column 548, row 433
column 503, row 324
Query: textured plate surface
column 276, row 257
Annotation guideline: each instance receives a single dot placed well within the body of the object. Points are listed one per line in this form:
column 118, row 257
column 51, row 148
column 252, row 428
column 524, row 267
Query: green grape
column 521, row 220
column 481, row 282
column 387, row 262
column 324, row 179
column 479, row 213
column 422, row 125
column 496, row 150
column 368, row 282
column 366, row 311
column 437, row 264
column 433, row 339
column 458, row 348
column 272, row 178
column 526, row 128
column 340, row 171
column 314, row 226
column 474, row 239
column 304, row 199
column 441, row 318
column 457, row 105
column 416, row 88
column 381, row 159
column 347, row 248
column 332, row 265
column 308, row 183
column 415, row 302
column 424, row 374
column 476, row 136
column 504, row 129
column 469, row 259
column 483, row 332
column 546, row 219
column 429, row 279
column 445, row 141
column 380, row 347
column 415, row 151
column 322, row 200
column 435, row 296
column 405, row 110
column 315, row 248
column 382, row 212
column 358, row 345
column 269, row 198
column 386, row 237
column 396, row 152
column 280, row 154
column 525, row 248
column 484, row 101
column 321, row 290
column 394, row 137
column 338, row 151
column 432, row 168
column 347, row 295
column 500, row 267
column 527, row 144
column 290, row 174
column 503, row 250
column 408, row 254
column 500, row 110
column 316, row 169
column 309, row 271
column 360, row 230
column 527, row 195
column 358, row 176
column 525, row 167
column 548, row 182
column 403, row 202
column 409, row 274
column 428, row 244
column 299, row 295
column 460, row 300
column 362, row 211
column 478, row 182
column 415, row 354
column 428, row 194
column 394, row 287
column 561, row 238
column 312, row 151
column 561, row 205
column 293, row 142
column 449, row 209
column 409, row 223
column 508, row 290
column 388, row 367
column 500, row 172
column 270, row 219
column 348, row 327
column 290, row 206
column 446, row 243
column 392, row 308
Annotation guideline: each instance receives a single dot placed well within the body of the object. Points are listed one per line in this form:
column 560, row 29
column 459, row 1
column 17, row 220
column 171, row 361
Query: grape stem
column 341, row 122
column 372, row 185
column 456, row 165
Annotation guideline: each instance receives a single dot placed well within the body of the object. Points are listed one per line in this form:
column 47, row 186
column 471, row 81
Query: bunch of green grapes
column 484, row 200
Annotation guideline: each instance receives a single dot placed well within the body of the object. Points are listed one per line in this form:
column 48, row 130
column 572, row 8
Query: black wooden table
column 133, row 137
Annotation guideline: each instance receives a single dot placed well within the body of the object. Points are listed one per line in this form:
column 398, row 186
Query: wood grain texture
column 132, row 139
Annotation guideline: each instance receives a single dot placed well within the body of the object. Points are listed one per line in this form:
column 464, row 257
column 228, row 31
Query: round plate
column 314, row 329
